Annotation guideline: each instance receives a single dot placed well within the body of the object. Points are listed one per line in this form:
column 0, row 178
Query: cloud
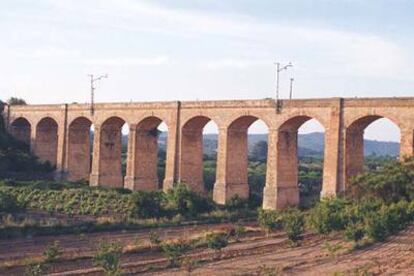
column 143, row 61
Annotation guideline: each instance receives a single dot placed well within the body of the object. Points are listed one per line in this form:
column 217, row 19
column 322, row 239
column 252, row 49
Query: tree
column 217, row 241
column 259, row 151
column 293, row 223
column 16, row 101
column 270, row 220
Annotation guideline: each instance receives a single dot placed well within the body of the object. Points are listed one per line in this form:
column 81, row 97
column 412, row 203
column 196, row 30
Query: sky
column 206, row 50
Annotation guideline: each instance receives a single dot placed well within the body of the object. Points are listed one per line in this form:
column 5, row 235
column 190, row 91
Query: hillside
column 309, row 144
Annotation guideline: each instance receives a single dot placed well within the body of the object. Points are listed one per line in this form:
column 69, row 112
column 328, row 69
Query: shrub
column 354, row 232
column 239, row 230
column 182, row 200
column 154, row 238
column 217, row 241
column 328, row 215
column 270, row 220
column 52, row 252
column 148, row 204
column 35, row 269
column 293, row 224
column 174, row 250
column 108, row 257
column 8, row 203
column 237, row 203
column 375, row 227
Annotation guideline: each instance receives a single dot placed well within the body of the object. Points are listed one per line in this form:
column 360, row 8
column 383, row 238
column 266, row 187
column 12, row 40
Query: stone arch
column 354, row 144
column 285, row 175
column 21, row 129
column 110, row 152
column 232, row 163
column 79, row 149
column 142, row 166
column 191, row 152
column 46, row 140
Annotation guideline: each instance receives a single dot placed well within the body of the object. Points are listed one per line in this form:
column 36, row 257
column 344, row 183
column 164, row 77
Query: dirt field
column 256, row 254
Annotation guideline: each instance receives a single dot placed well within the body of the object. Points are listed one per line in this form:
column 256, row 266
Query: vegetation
column 108, row 257
column 294, row 224
column 270, row 220
column 174, row 250
column 52, row 252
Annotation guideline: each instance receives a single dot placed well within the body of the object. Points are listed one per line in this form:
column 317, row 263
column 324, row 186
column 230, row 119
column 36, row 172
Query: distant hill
column 309, row 144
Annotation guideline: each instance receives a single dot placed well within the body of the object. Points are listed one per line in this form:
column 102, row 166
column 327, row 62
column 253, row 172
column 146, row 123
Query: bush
column 174, row 250
column 270, row 220
column 8, row 203
column 217, row 241
column 36, row 269
column 108, row 257
column 154, row 238
column 148, row 204
column 328, row 215
column 354, row 232
column 375, row 227
column 183, row 201
column 293, row 224
column 237, row 203
column 52, row 252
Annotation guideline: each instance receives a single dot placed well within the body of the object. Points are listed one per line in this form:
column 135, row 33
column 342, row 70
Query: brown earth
column 256, row 254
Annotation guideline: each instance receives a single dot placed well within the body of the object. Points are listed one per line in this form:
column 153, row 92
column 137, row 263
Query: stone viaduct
column 61, row 135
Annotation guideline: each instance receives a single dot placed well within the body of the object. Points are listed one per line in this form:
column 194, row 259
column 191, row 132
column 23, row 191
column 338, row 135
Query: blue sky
column 186, row 50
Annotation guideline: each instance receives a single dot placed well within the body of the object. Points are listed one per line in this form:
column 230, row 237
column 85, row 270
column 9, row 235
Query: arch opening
column 199, row 153
column 21, row 129
column 310, row 154
column 46, row 140
column 147, row 153
column 233, row 180
column 110, row 153
column 371, row 141
column 80, row 144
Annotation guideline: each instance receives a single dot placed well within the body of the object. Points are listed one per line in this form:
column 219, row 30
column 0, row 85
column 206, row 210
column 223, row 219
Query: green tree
column 16, row 101
column 270, row 220
column 293, row 224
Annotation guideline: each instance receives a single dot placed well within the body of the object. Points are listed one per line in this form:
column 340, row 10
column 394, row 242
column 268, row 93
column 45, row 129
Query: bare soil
column 255, row 254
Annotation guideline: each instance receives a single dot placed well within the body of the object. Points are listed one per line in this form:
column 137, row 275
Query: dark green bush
column 237, row 203
column 270, row 220
column 354, row 232
column 217, row 241
column 148, row 204
column 108, row 257
column 174, row 250
column 293, row 224
column 8, row 203
column 375, row 227
column 183, row 201
column 328, row 215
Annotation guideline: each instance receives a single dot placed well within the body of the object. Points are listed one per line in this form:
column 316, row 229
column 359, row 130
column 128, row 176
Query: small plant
column 354, row 232
column 52, row 252
column 217, row 241
column 154, row 238
column 293, row 224
column 239, row 230
column 175, row 250
column 188, row 264
column 333, row 249
column 265, row 270
column 34, row 269
column 270, row 220
column 108, row 257
column 375, row 227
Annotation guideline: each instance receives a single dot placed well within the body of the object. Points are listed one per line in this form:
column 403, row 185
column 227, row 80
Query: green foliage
column 390, row 183
column 332, row 248
column 293, row 224
column 239, row 230
column 183, row 201
column 217, row 241
column 148, row 204
column 8, row 203
column 270, row 220
column 237, row 203
column 52, row 252
column 354, row 232
column 174, row 250
column 35, row 269
column 16, row 101
column 328, row 215
column 108, row 257
column 375, row 227
column 154, row 238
